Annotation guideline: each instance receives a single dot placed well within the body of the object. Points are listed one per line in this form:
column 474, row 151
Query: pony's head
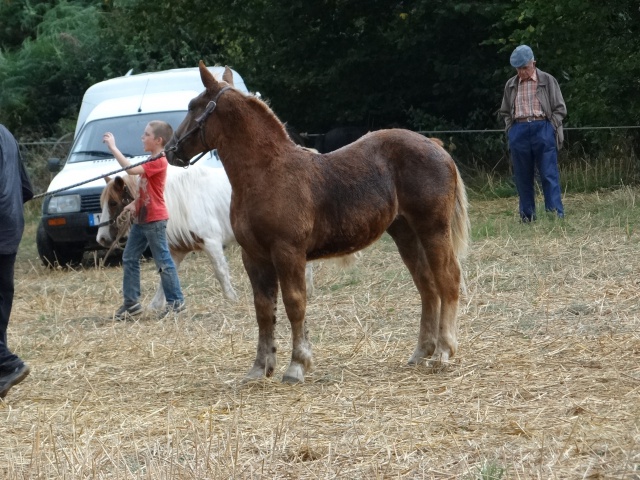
column 116, row 195
column 194, row 135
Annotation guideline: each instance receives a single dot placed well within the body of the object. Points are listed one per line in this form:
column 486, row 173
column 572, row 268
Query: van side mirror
column 53, row 165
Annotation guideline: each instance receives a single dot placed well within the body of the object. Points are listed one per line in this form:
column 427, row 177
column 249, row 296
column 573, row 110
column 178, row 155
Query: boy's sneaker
column 174, row 308
column 11, row 377
column 125, row 312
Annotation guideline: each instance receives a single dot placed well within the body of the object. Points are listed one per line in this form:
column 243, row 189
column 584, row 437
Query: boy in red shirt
column 150, row 216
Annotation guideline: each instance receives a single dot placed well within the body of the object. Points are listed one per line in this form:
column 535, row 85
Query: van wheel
column 53, row 255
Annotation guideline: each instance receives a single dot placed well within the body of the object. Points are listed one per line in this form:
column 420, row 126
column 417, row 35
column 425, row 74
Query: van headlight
column 64, row 204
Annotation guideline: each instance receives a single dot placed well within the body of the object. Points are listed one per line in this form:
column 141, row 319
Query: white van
column 122, row 106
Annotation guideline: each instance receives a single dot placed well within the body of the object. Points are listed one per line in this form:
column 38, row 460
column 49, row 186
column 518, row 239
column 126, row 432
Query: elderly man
column 533, row 110
column 15, row 189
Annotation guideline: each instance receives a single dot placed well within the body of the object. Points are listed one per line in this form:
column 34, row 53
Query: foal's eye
column 113, row 203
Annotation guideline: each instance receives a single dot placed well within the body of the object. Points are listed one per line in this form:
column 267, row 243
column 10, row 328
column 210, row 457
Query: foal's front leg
column 291, row 274
column 264, row 283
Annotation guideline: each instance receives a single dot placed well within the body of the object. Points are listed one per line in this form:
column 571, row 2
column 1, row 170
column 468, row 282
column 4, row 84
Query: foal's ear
column 118, row 183
column 107, row 179
column 208, row 80
column 227, row 76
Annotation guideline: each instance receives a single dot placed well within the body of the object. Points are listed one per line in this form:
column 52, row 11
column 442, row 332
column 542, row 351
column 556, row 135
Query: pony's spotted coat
column 198, row 200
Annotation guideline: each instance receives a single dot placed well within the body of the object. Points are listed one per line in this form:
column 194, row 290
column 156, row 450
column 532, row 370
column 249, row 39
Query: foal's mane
column 262, row 117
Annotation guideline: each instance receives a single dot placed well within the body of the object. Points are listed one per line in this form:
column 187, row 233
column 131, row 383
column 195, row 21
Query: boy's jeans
column 154, row 235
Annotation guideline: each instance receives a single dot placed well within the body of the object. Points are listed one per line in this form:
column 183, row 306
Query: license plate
column 94, row 219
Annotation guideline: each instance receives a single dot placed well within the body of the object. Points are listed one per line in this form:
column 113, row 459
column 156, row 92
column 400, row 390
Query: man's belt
column 529, row 119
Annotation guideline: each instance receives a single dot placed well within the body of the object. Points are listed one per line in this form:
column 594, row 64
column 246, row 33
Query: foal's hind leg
column 447, row 276
column 414, row 258
column 264, row 283
column 435, row 279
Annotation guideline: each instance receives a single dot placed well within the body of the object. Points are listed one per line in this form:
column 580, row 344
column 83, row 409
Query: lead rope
column 53, row 192
column 123, row 222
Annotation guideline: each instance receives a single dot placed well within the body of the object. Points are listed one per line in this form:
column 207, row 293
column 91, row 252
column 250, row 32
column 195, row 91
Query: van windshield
column 127, row 131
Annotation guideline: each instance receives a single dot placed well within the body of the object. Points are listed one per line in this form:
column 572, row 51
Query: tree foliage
column 152, row 35
column 421, row 64
column 39, row 81
column 593, row 48
column 376, row 63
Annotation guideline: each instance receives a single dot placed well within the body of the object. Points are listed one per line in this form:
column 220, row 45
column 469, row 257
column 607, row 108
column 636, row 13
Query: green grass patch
column 490, row 471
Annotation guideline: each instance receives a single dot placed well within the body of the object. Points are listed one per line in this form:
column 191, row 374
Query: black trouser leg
column 7, row 263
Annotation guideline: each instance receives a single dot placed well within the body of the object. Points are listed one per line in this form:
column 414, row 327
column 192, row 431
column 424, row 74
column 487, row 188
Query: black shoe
column 174, row 308
column 125, row 312
column 12, row 377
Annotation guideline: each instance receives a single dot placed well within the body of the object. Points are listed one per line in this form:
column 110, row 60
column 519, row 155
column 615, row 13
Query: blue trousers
column 154, row 235
column 533, row 147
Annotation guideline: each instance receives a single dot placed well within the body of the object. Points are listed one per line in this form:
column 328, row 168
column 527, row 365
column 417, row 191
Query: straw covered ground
column 546, row 383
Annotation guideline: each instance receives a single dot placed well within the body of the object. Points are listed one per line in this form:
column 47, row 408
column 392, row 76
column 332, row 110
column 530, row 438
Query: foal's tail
column 460, row 226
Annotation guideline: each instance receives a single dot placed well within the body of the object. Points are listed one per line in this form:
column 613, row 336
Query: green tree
column 151, row 35
column 592, row 47
column 424, row 64
column 21, row 19
column 375, row 63
column 66, row 46
column 42, row 82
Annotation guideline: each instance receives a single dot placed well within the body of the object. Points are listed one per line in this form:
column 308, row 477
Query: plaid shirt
column 547, row 93
column 527, row 104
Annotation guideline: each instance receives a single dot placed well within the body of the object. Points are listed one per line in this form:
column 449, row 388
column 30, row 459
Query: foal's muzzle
column 173, row 157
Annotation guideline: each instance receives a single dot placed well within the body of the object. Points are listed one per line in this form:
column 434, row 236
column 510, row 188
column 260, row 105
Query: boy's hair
column 161, row 129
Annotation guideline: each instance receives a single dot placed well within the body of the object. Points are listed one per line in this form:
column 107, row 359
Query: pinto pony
column 198, row 200
column 290, row 205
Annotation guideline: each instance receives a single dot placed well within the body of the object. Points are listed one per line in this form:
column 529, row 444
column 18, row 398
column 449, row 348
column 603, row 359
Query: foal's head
column 222, row 117
column 193, row 135
column 116, row 195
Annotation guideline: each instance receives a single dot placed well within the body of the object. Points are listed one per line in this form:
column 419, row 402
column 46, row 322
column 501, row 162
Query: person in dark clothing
column 15, row 190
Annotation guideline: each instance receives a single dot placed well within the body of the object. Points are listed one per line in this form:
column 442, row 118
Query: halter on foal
column 290, row 205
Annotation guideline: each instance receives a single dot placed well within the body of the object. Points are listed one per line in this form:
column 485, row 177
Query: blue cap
column 521, row 56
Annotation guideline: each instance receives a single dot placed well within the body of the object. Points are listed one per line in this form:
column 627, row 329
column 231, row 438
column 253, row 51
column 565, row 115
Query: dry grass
column 546, row 383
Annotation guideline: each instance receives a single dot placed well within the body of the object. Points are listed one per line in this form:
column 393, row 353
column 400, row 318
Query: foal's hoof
column 291, row 380
column 231, row 297
column 249, row 380
column 438, row 363
column 255, row 374
column 416, row 359
column 294, row 374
